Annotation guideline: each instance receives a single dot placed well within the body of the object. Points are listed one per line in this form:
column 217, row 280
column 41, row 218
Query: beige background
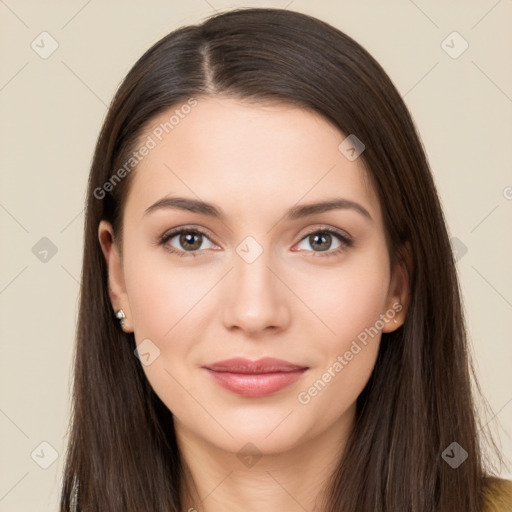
column 51, row 112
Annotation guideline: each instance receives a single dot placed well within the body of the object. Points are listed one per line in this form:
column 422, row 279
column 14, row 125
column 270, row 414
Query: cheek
column 349, row 303
column 348, row 299
column 165, row 300
column 161, row 292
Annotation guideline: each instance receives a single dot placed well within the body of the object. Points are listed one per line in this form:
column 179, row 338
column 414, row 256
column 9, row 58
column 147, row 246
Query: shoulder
column 498, row 495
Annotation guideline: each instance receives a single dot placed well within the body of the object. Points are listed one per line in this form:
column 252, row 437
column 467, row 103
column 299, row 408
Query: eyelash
column 345, row 240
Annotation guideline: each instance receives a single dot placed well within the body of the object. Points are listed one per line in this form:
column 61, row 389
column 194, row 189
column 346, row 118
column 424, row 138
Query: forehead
column 250, row 156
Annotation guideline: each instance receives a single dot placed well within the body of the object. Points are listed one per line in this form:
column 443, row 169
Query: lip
column 263, row 365
column 254, row 378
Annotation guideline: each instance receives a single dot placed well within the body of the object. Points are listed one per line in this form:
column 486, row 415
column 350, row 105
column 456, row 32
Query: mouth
column 255, row 378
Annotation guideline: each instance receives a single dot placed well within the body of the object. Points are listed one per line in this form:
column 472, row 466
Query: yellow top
column 498, row 496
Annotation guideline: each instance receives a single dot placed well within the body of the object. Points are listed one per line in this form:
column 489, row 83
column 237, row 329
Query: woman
column 270, row 314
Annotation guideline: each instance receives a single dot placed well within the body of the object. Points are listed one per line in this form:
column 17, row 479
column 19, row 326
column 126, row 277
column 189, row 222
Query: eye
column 322, row 239
column 189, row 241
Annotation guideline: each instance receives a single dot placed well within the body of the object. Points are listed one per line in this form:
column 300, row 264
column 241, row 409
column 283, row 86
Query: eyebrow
column 294, row 213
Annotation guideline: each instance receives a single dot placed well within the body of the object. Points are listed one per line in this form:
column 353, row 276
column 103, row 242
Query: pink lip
column 263, row 365
column 255, row 378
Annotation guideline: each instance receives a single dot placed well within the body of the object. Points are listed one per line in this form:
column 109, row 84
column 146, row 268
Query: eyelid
column 185, row 227
column 328, row 229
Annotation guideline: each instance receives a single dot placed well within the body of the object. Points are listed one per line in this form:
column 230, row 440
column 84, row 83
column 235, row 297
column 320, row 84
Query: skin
column 254, row 161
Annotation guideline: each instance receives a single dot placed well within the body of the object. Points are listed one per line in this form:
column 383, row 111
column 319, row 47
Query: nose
column 255, row 299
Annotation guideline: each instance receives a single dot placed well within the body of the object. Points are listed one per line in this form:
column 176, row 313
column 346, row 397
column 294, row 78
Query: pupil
column 325, row 237
column 188, row 238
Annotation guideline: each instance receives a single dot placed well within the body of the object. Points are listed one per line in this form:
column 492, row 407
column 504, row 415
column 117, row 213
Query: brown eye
column 320, row 241
column 188, row 242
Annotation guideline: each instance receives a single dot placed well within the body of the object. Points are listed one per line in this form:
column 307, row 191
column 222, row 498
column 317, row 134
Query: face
column 263, row 278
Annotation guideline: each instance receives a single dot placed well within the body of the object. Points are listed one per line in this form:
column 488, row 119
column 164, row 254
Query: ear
column 399, row 290
column 116, row 284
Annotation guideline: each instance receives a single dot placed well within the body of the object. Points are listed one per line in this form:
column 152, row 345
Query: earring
column 121, row 317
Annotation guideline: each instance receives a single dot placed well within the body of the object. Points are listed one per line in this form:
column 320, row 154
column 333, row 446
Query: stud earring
column 121, row 317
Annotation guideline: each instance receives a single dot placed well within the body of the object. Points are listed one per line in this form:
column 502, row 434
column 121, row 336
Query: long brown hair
column 122, row 453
